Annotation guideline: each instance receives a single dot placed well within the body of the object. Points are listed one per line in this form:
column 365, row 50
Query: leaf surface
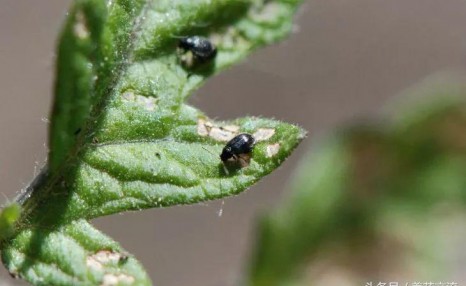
column 72, row 254
column 122, row 137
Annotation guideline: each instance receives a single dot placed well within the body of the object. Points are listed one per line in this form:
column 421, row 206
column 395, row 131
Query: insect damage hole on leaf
column 100, row 258
column 219, row 133
column 263, row 134
column 272, row 150
column 80, row 26
column 117, row 279
column 149, row 103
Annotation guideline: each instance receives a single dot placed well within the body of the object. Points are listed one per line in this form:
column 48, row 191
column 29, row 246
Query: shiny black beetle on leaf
column 201, row 48
column 239, row 149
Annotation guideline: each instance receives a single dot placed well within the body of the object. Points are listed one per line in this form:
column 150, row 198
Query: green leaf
column 398, row 185
column 141, row 145
column 72, row 254
column 93, row 42
column 181, row 168
column 122, row 137
column 104, row 40
column 8, row 217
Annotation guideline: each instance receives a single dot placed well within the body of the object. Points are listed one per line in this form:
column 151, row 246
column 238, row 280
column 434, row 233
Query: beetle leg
column 244, row 160
column 226, row 170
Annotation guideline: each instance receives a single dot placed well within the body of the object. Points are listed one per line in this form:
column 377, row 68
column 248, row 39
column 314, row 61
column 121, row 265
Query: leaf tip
column 9, row 215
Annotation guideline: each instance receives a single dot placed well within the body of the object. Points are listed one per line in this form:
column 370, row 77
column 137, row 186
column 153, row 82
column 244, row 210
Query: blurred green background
column 346, row 61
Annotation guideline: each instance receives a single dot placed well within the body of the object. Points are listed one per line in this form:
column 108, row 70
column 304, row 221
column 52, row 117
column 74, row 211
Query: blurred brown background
column 345, row 61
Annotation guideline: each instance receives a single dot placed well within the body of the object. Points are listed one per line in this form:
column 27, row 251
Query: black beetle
column 239, row 148
column 201, row 48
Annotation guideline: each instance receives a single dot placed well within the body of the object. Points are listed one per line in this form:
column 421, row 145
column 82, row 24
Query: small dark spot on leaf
column 123, row 259
column 77, row 131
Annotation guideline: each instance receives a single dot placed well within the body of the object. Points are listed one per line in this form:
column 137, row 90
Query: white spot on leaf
column 116, row 279
column 93, row 264
column 221, row 134
column 147, row 102
column 202, row 128
column 263, row 134
column 231, row 128
column 97, row 260
column 106, row 256
column 80, row 28
column 224, row 133
column 129, row 96
column 272, row 150
column 228, row 39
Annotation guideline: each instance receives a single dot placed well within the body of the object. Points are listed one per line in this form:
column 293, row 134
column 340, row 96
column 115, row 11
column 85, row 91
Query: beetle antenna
column 208, row 150
column 224, row 167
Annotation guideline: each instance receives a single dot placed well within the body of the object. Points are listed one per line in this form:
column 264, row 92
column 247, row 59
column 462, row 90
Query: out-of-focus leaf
column 372, row 202
column 297, row 229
